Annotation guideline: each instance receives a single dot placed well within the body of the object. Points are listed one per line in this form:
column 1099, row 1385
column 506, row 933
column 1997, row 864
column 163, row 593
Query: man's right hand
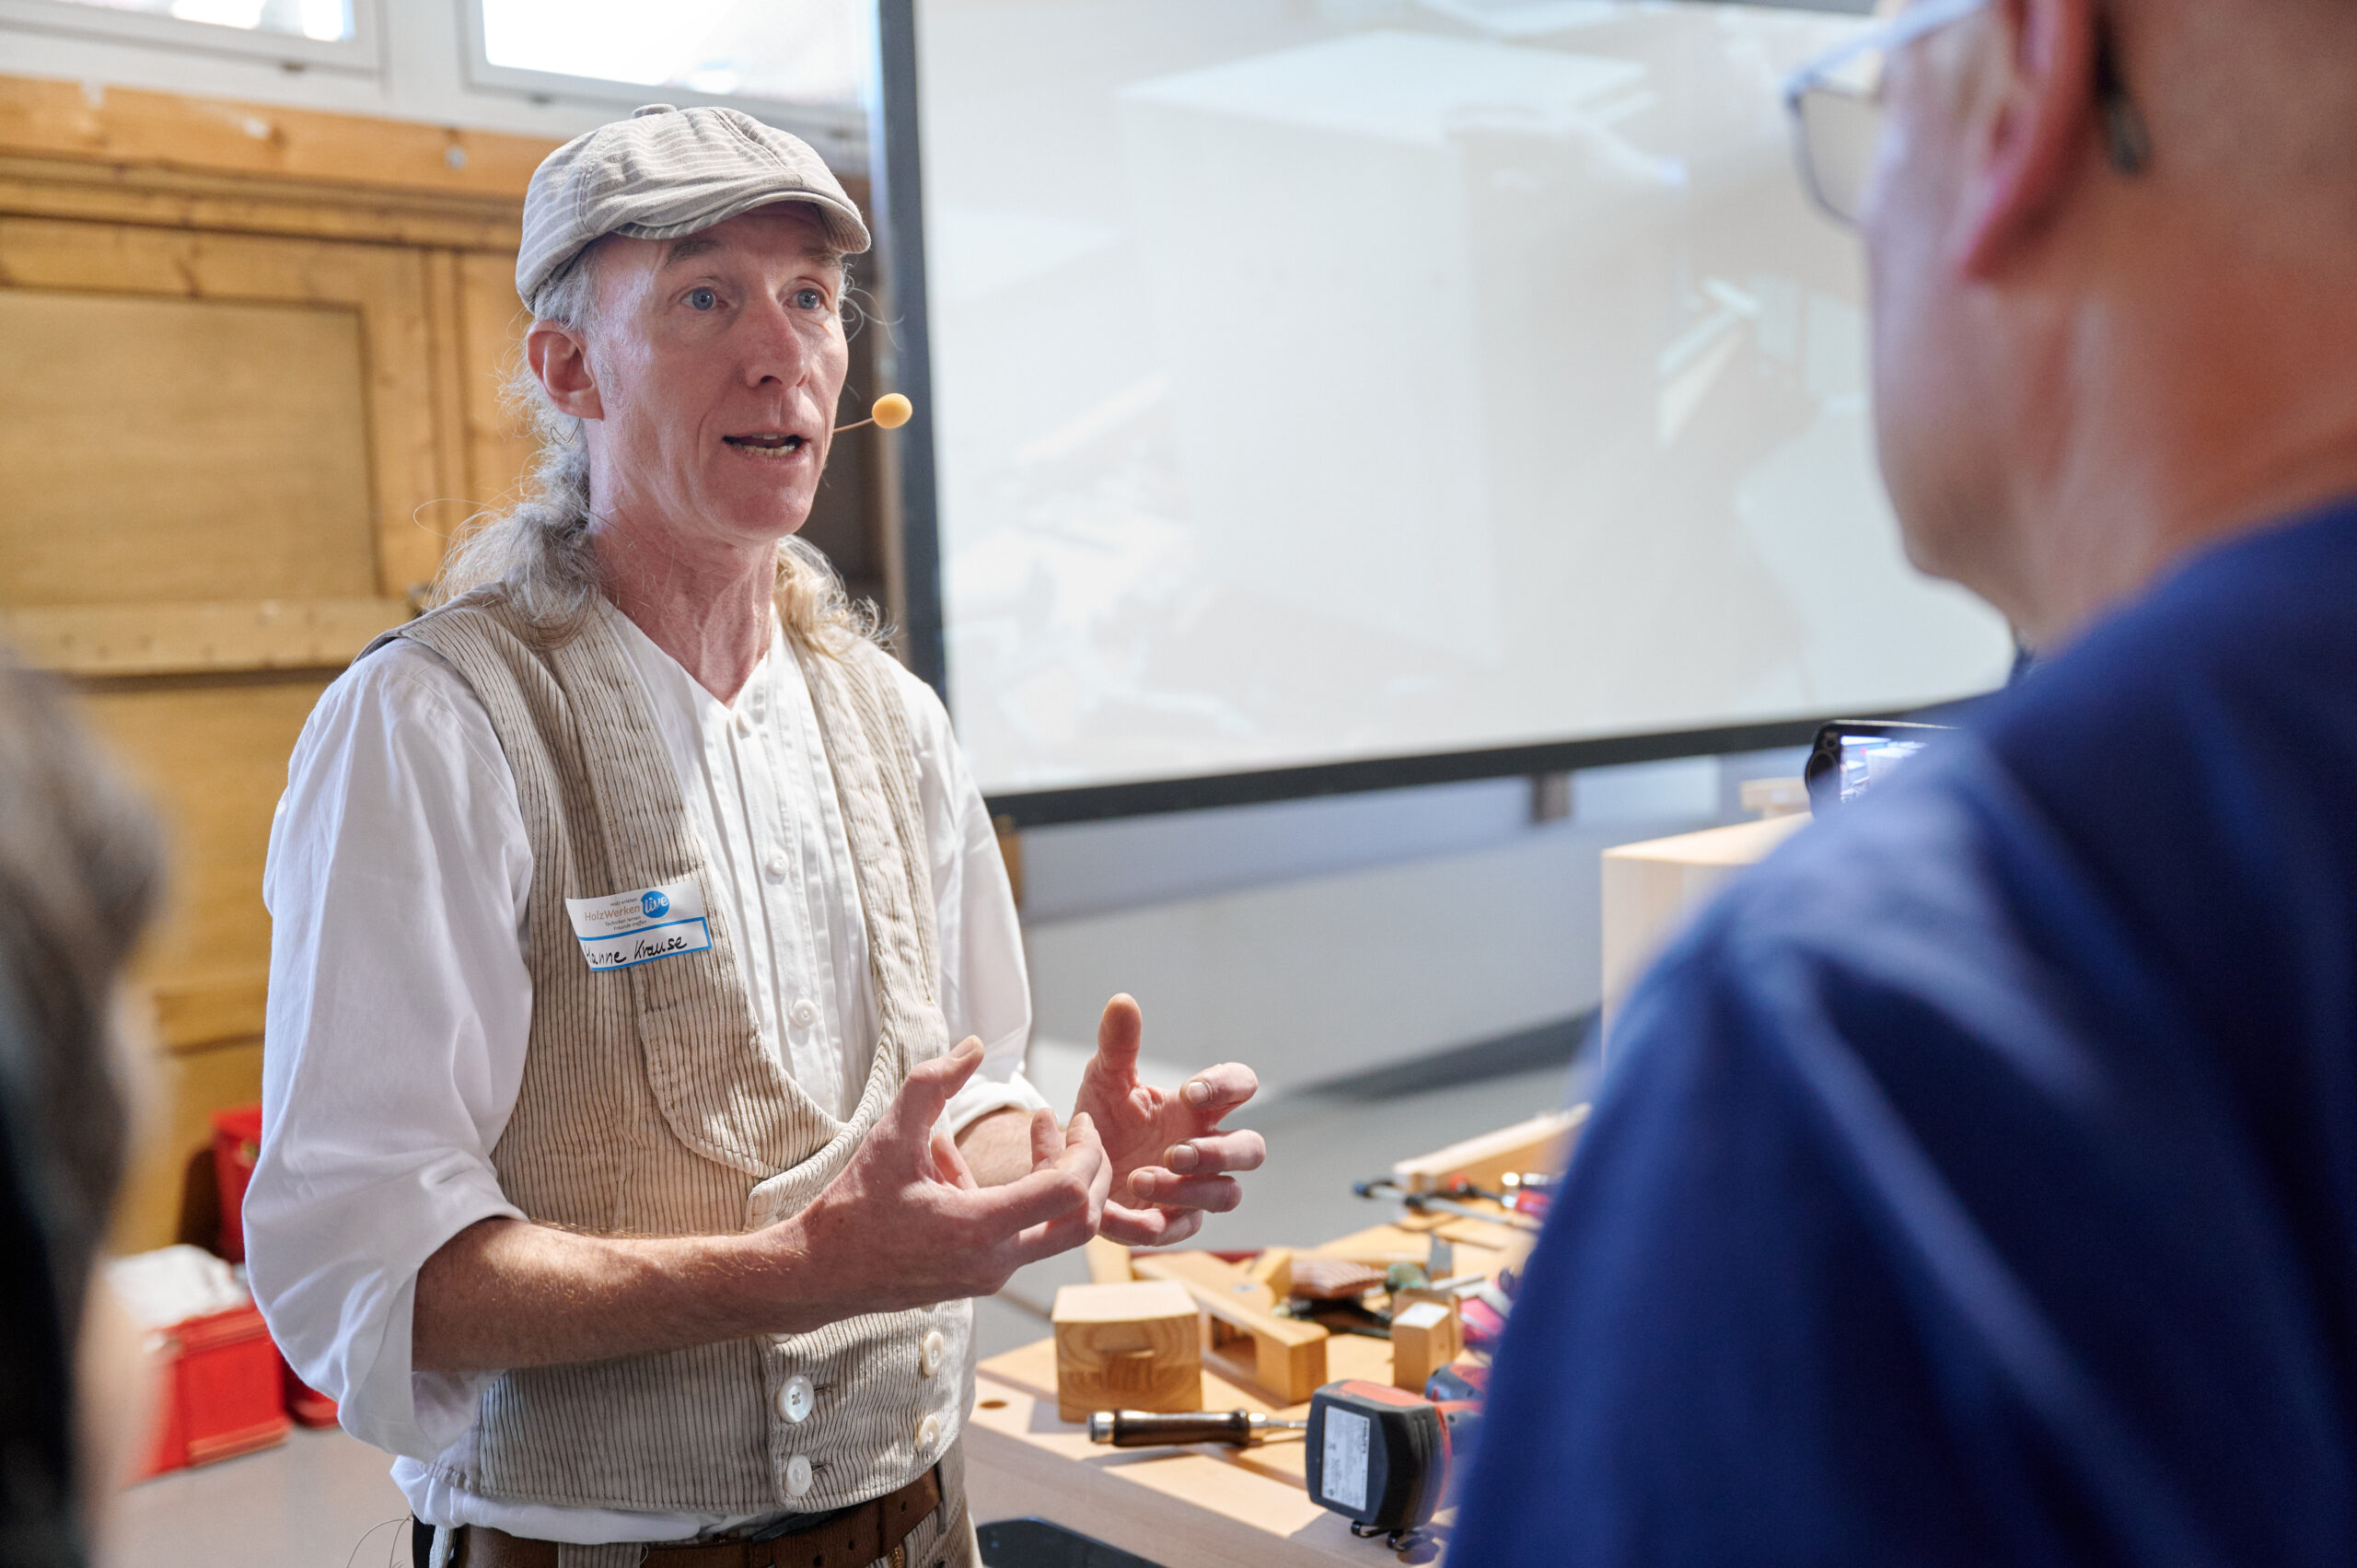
column 905, row 1224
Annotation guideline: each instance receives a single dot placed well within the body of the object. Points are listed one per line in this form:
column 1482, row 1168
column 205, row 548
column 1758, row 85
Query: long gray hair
column 538, row 554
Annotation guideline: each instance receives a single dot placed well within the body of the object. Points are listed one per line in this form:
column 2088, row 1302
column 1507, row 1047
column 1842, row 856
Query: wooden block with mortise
column 1133, row 1347
column 1426, row 1335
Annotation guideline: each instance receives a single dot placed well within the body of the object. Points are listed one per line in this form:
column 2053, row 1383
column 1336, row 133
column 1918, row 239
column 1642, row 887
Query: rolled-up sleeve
column 400, row 1009
column 985, row 989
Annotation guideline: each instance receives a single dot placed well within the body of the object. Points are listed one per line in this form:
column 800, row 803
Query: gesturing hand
column 1168, row 1154
column 905, row 1224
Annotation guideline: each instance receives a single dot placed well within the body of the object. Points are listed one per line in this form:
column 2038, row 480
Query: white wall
column 1319, row 940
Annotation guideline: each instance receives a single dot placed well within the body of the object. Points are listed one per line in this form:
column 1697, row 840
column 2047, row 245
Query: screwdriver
column 1151, row 1429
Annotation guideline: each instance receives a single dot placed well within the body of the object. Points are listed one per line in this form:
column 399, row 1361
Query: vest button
column 929, row 1354
column 798, row 1476
column 928, row 1433
column 796, row 1398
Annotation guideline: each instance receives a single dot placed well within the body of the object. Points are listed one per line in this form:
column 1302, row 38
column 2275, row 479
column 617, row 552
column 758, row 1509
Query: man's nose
column 772, row 343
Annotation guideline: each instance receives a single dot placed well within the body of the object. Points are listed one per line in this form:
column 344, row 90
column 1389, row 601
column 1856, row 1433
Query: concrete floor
column 324, row 1500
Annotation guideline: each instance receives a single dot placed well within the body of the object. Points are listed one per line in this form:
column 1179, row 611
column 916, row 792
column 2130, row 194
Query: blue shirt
column 1976, row 1182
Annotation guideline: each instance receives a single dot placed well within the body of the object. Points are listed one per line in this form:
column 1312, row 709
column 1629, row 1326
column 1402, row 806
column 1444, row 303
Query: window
column 811, row 55
column 293, row 32
column 326, row 20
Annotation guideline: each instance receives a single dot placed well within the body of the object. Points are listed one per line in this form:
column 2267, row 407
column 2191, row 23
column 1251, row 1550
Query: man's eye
column 702, row 300
column 809, row 299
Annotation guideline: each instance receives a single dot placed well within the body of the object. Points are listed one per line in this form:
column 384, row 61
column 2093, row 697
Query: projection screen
column 1324, row 380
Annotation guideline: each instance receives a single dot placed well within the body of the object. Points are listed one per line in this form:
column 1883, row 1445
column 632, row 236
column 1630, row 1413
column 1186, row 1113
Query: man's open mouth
column 771, row 444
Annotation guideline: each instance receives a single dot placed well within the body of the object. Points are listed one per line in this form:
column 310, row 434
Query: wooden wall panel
column 183, row 1090
column 269, row 145
column 172, row 448
column 491, row 322
column 384, row 284
column 212, row 756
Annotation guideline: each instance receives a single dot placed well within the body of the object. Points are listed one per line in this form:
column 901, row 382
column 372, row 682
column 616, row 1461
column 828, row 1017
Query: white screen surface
column 1326, row 380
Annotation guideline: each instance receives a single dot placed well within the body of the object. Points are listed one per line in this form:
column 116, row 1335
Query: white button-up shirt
column 401, row 1008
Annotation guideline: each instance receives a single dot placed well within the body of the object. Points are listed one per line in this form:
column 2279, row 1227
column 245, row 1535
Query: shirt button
column 744, row 724
column 798, row 1476
column 775, row 866
column 928, row 1433
column 805, row 1012
column 795, row 1400
column 929, row 1354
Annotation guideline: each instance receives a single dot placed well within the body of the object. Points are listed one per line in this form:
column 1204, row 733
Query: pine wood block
column 1272, row 1268
column 1426, row 1335
column 1650, row 889
column 1134, row 1346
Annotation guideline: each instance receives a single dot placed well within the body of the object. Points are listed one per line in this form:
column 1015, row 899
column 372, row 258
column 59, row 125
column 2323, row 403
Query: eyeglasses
column 1836, row 103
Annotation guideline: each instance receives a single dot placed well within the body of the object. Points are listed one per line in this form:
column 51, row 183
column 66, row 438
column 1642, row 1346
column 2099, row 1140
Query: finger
column 1047, row 1240
column 949, row 1161
column 1047, row 1139
column 1148, row 1227
column 1216, row 1152
column 928, row 1088
column 1084, row 1155
column 1043, row 1195
column 1167, row 1190
column 1119, row 1032
column 1213, row 1092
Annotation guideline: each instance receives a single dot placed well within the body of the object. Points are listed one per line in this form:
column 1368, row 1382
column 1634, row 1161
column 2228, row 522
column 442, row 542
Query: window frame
column 361, row 54
column 838, row 131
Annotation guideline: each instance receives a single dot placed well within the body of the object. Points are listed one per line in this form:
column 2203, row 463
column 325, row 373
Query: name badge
column 638, row 928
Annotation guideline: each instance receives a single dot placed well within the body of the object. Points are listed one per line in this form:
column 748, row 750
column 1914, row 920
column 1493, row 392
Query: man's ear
column 2032, row 138
column 560, row 359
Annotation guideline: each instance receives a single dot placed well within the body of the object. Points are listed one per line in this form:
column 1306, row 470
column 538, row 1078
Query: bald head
column 2083, row 368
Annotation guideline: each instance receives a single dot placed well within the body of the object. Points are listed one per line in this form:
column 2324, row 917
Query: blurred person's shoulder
column 2162, row 818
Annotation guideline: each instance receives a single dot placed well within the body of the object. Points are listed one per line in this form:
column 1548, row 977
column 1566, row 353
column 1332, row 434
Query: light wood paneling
column 213, row 756
column 217, row 135
column 185, row 639
column 162, row 448
column 184, row 1090
column 490, row 326
column 171, row 198
column 384, row 286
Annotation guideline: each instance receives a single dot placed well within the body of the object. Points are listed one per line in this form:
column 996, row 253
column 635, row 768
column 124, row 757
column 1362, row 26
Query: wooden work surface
column 1202, row 1506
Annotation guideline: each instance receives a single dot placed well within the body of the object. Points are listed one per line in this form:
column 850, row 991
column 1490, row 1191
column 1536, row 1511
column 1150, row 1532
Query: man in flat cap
column 619, row 1176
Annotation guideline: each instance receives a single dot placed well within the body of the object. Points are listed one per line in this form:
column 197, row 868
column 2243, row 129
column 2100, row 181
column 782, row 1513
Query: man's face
column 718, row 358
column 1935, row 425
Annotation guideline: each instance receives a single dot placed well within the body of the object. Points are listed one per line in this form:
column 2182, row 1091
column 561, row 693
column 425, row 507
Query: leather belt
column 857, row 1537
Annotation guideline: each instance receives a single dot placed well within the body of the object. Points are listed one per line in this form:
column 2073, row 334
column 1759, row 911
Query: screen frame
column 896, row 174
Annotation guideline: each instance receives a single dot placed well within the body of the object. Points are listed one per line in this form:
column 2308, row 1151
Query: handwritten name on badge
column 637, row 928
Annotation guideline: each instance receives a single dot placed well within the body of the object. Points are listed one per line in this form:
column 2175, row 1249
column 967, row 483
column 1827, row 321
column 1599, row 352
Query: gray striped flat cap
column 664, row 172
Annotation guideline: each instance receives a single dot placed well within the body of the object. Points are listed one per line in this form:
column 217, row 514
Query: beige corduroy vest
column 649, row 1107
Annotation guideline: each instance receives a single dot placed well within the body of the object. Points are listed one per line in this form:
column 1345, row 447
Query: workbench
column 1202, row 1506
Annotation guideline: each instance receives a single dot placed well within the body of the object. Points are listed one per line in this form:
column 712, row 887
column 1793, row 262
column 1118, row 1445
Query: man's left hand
column 1170, row 1159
